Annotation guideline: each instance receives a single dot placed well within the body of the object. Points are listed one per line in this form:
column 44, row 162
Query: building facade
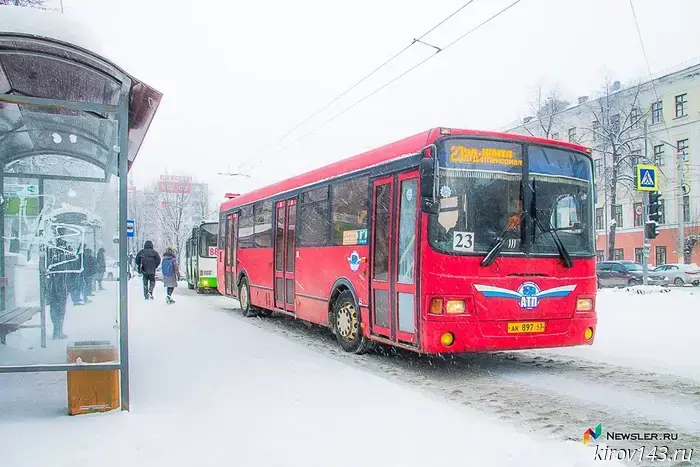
column 656, row 122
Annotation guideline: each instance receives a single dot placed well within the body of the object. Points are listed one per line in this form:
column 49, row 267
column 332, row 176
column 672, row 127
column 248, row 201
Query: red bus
column 447, row 241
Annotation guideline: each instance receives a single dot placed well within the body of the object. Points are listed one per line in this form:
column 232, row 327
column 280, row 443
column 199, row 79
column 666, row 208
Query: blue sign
column 646, row 178
column 129, row 228
column 362, row 237
column 528, row 294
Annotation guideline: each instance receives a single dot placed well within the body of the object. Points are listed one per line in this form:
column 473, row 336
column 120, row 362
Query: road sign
column 638, row 210
column 646, row 177
column 129, row 228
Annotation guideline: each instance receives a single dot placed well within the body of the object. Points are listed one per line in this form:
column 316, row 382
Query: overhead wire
column 367, row 76
column 385, row 85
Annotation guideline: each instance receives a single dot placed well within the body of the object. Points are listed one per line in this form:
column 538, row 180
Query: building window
column 638, row 211
column 639, row 255
column 596, row 130
column 600, row 254
column 635, row 156
column 686, row 208
column 657, row 112
column 660, row 255
column 314, row 224
column 572, row 135
column 659, row 154
column 598, row 167
column 615, row 124
column 662, row 211
column 349, row 211
column 635, row 117
column 599, row 220
column 683, row 147
column 618, row 254
column 681, row 105
column 617, row 210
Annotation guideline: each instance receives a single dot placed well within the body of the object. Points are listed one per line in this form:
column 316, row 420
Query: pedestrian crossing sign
column 646, row 178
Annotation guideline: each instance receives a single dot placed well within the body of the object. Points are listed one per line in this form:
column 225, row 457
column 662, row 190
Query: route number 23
column 463, row 241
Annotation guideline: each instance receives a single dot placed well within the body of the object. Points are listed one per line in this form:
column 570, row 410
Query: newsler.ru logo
column 595, row 434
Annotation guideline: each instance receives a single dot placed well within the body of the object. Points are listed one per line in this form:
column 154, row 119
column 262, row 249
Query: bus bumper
column 472, row 335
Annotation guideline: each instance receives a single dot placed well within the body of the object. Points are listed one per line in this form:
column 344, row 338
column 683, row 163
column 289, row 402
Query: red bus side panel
column 257, row 263
column 318, row 269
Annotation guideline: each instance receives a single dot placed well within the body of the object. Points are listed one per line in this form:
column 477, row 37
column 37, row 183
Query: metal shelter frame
column 44, row 77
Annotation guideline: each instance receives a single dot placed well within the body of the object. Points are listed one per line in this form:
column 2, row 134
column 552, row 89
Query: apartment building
column 614, row 124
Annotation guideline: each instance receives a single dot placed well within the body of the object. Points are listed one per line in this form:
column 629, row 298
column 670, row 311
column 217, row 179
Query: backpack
column 168, row 268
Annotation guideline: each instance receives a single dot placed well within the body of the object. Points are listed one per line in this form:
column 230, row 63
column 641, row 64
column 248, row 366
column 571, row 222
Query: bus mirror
column 427, row 178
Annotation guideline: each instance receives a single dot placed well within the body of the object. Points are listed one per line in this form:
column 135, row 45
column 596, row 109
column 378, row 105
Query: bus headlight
column 455, row 307
column 584, row 304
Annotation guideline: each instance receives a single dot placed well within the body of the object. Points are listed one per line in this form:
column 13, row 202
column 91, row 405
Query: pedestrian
column 89, row 270
column 101, row 268
column 171, row 272
column 147, row 261
column 58, row 284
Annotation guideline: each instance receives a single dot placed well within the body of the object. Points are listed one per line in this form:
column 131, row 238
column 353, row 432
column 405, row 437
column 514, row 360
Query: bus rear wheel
column 346, row 317
column 244, row 298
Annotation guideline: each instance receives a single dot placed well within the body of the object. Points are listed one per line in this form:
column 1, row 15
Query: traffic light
column 654, row 214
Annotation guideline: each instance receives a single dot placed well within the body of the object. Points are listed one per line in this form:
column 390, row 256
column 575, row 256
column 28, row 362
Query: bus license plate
column 526, row 326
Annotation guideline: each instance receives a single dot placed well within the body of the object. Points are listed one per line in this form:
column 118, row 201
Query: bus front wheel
column 346, row 317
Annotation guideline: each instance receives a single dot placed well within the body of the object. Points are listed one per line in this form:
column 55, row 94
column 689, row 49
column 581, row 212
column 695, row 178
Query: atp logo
column 528, row 294
column 589, row 433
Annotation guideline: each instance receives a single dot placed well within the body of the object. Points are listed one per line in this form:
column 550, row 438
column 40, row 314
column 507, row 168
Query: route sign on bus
column 646, row 178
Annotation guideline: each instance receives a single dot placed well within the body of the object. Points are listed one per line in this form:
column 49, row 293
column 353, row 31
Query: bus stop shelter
column 71, row 124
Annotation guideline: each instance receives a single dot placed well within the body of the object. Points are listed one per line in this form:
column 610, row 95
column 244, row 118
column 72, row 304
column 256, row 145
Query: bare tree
column 546, row 107
column 34, row 3
column 617, row 131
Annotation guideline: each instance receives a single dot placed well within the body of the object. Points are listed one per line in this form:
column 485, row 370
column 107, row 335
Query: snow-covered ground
column 211, row 388
column 657, row 332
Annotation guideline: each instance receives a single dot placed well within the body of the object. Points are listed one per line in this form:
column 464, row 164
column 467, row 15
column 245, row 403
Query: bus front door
column 285, row 254
column 393, row 277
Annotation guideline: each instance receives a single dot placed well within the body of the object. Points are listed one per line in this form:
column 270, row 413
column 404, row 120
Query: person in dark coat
column 89, row 269
column 101, row 268
column 58, row 285
column 170, row 280
column 147, row 261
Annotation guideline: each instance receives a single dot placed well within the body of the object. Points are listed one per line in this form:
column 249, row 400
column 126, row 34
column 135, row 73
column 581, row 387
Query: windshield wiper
column 498, row 246
column 563, row 253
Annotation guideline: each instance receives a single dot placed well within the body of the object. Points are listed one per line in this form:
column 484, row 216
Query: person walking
column 101, row 268
column 58, row 284
column 147, row 261
column 171, row 272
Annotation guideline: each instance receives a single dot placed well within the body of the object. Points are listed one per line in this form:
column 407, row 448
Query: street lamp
column 679, row 183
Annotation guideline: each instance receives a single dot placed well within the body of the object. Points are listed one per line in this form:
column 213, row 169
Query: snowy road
column 559, row 396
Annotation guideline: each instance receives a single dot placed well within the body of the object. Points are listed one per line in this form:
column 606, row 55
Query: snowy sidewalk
column 209, row 389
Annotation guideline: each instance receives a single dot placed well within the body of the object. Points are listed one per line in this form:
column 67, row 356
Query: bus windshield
column 207, row 240
column 481, row 199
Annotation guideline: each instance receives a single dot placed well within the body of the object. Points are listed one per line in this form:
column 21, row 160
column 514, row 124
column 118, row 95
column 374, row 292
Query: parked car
column 680, row 274
column 626, row 273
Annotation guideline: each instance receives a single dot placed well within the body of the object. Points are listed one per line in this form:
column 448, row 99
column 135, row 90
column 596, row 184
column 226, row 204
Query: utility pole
column 646, row 248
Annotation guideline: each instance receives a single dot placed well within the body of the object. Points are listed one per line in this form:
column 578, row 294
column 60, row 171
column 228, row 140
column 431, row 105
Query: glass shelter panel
column 59, row 268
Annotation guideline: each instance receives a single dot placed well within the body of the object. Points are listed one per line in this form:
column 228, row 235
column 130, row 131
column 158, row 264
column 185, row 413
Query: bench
column 14, row 319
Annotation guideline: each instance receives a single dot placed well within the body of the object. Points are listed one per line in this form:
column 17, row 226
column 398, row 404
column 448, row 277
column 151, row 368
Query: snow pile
column 647, row 289
column 655, row 332
column 209, row 389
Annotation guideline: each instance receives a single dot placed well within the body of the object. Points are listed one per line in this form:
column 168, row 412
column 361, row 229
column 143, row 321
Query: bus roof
column 389, row 152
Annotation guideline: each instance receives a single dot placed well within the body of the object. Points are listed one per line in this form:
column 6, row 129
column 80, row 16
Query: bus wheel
column 244, row 298
column 346, row 315
column 190, row 286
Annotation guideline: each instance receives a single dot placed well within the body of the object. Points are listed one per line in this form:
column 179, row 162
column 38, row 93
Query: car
column 626, row 273
column 680, row 274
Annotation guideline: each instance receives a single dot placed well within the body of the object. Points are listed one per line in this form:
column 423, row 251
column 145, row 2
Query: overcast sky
column 238, row 75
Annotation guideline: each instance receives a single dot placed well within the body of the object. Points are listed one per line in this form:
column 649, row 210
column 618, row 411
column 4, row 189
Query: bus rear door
column 230, row 254
column 285, row 254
